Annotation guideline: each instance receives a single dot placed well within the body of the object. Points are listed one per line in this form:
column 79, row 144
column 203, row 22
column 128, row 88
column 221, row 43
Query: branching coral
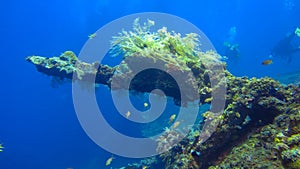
column 170, row 47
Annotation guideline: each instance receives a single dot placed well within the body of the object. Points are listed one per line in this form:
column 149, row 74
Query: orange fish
column 267, row 62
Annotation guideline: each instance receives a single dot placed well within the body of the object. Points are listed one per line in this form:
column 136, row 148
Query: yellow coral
column 208, row 100
column 68, row 56
column 37, row 60
column 277, row 140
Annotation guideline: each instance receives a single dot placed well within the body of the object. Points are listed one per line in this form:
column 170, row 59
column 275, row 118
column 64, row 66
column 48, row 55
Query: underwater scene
column 111, row 84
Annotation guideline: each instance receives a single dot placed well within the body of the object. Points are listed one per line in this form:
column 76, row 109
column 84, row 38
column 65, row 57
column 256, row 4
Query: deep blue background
column 38, row 125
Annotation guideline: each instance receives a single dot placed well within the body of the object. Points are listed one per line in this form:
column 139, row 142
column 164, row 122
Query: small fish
column 144, row 167
column 267, row 62
column 127, row 114
column 108, row 161
column 297, row 31
column 146, row 104
column 195, row 153
column 1, row 148
column 151, row 23
column 172, row 118
column 92, row 36
column 176, row 124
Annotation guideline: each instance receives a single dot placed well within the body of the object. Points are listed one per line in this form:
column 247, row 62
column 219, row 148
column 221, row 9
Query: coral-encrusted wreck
column 259, row 127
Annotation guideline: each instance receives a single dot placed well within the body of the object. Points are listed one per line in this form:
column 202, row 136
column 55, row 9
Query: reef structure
column 259, row 127
column 67, row 66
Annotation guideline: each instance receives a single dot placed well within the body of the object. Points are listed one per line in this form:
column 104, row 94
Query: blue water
column 38, row 125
